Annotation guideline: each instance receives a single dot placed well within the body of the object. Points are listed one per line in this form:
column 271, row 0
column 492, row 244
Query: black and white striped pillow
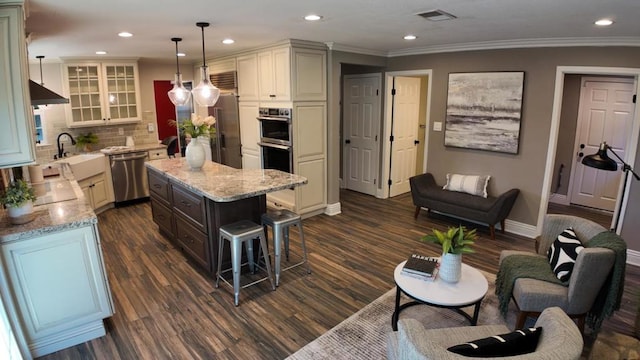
column 511, row 344
column 563, row 253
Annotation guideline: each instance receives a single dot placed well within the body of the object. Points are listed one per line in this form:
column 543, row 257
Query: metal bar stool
column 237, row 233
column 280, row 222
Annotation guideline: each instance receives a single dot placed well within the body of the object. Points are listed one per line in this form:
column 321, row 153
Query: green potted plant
column 18, row 198
column 454, row 242
column 84, row 141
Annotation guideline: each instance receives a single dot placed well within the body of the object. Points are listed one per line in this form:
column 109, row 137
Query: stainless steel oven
column 276, row 139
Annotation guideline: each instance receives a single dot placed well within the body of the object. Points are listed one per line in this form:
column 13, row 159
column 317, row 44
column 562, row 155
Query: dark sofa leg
column 492, row 231
column 415, row 215
column 502, row 226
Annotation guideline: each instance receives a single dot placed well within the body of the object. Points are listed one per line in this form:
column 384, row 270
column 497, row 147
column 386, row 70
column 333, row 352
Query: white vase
column 450, row 267
column 21, row 214
column 195, row 154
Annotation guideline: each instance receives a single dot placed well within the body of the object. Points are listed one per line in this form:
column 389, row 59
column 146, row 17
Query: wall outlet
column 150, row 127
column 120, row 131
column 437, row 126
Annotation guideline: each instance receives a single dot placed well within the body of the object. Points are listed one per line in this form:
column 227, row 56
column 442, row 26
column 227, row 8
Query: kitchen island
column 189, row 206
column 52, row 275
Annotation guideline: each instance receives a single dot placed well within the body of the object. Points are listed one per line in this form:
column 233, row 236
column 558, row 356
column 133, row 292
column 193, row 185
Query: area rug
column 363, row 335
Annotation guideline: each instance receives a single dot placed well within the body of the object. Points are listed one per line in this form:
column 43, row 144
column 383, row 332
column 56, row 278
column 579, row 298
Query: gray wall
column 526, row 169
column 566, row 134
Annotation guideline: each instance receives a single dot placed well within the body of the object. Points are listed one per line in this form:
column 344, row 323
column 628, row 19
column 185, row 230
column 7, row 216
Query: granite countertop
column 52, row 217
column 112, row 150
column 222, row 183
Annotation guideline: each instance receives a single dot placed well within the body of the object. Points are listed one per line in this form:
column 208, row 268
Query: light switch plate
column 150, row 127
column 437, row 126
column 120, row 131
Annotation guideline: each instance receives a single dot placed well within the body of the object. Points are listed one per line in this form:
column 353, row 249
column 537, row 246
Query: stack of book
column 421, row 267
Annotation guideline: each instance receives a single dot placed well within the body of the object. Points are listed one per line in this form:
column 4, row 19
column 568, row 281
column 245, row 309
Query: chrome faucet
column 61, row 146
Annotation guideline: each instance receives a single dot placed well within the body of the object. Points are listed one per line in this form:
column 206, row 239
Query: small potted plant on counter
column 18, row 198
column 84, row 141
column 455, row 242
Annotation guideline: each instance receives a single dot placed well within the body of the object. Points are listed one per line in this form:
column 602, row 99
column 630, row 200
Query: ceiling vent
column 437, row 15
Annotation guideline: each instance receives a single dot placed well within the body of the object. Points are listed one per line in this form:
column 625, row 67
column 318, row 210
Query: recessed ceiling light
column 604, row 22
column 410, row 37
column 125, row 34
column 313, row 17
column 181, row 54
column 228, row 41
column 101, row 52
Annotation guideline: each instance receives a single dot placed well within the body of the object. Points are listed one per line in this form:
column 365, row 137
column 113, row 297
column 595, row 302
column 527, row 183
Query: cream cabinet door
column 247, row 77
column 59, row 286
column 17, row 137
column 309, row 75
column 274, row 73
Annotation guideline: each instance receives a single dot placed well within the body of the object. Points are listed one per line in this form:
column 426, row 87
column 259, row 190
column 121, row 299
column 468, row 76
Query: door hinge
column 389, row 182
column 376, row 138
column 634, row 98
column 377, row 92
column 374, row 181
column 393, row 91
column 391, row 138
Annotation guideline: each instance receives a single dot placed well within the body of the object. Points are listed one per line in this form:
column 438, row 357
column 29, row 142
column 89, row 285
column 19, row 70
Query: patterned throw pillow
column 563, row 253
column 470, row 184
column 514, row 343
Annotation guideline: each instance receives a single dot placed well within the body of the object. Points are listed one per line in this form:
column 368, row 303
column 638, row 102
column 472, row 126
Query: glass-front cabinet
column 102, row 93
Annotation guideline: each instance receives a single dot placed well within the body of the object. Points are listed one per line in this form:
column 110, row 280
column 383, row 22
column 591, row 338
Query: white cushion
column 470, row 184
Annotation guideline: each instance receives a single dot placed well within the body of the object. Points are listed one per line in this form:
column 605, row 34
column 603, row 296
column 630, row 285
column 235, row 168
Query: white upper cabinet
column 274, row 74
column 17, row 138
column 247, row 77
column 309, row 71
column 102, row 93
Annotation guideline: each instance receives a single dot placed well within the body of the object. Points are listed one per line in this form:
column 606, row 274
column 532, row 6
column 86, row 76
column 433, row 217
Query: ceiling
column 78, row 28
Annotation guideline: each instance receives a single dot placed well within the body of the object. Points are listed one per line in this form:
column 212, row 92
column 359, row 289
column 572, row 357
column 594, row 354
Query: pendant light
column 205, row 94
column 179, row 95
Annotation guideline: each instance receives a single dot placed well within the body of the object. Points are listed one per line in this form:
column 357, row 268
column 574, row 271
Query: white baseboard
column 333, row 209
column 633, row 257
column 513, row 227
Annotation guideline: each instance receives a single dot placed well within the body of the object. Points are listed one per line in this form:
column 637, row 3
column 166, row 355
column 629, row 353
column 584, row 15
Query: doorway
column 631, row 136
column 406, row 125
column 361, row 131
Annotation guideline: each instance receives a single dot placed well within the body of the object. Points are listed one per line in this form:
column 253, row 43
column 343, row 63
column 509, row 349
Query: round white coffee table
column 470, row 290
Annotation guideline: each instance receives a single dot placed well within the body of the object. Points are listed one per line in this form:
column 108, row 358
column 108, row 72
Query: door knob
column 580, row 154
column 416, row 142
column 347, row 141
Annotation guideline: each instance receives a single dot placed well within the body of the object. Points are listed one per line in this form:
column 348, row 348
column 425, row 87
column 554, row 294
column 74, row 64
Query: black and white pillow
column 563, row 253
column 514, row 343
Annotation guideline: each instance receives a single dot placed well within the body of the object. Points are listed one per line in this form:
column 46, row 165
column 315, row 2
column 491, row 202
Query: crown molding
column 523, row 43
column 354, row 49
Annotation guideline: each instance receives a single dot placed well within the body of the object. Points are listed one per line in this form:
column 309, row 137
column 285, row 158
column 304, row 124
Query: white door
column 406, row 109
column 361, row 107
column 605, row 114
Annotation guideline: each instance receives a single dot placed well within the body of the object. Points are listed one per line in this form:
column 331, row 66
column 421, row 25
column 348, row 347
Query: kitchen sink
column 85, row 165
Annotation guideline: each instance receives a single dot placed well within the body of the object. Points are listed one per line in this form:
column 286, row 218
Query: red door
column 165, row 109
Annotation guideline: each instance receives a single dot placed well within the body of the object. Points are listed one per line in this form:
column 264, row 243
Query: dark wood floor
column 165, row 309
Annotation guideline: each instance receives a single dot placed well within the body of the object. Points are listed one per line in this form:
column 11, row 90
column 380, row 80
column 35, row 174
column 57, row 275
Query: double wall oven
column 276, row 138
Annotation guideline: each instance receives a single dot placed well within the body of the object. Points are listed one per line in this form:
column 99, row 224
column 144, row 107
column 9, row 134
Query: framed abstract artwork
column 484, row 111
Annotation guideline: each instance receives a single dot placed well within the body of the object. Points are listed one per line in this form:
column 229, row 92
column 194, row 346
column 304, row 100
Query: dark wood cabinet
column 191, row 221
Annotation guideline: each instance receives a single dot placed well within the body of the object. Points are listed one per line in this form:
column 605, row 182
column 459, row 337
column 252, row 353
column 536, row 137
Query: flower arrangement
column 197, row 126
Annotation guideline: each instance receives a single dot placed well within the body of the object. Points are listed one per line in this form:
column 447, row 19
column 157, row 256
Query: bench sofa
column 490, row 210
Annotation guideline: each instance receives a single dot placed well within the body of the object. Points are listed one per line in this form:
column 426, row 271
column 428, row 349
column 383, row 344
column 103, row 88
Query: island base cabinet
column 58, row 287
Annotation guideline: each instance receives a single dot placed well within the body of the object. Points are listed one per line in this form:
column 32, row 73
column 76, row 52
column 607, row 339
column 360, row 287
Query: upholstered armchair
column 591, row 269
column 560, row 339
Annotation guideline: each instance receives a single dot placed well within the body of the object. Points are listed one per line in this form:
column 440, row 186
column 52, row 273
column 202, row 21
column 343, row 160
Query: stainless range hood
column 40, row 95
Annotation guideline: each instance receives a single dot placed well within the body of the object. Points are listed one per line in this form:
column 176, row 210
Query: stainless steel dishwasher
column 129, row 176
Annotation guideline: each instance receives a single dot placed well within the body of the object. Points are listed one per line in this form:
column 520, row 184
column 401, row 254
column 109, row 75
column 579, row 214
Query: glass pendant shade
column 179, row 95
column 205, row 94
